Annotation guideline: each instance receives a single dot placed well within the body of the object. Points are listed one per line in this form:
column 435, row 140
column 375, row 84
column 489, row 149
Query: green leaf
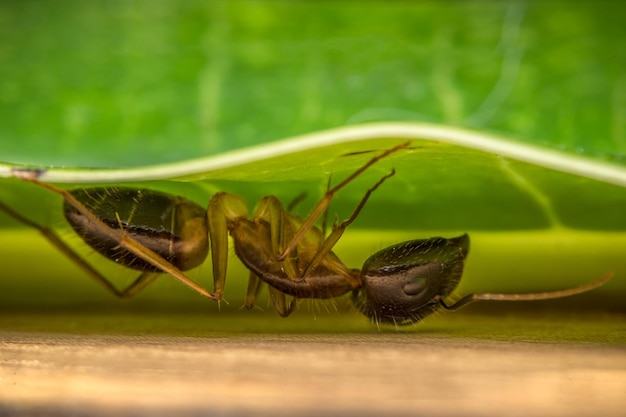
column 449, row 180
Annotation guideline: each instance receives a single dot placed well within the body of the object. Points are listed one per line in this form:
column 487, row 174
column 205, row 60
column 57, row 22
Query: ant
column 156, row 233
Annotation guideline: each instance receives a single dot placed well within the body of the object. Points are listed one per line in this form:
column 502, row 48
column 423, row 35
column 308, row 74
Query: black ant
column 156, row 233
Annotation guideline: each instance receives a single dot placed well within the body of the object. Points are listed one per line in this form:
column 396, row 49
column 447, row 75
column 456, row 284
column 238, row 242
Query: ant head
column 405, row 282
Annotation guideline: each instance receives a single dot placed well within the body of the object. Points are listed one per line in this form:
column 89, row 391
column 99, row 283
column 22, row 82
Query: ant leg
column 338, row 229
column 288, row 276
column 279, row 300
column 124, row 241
column 143, row 280
column 297, row 200
column 325, row 215
column 146, row 278
column 470, row 298
column 254, row 288
column 271, row 210
column 322, row 205
column 223, row 207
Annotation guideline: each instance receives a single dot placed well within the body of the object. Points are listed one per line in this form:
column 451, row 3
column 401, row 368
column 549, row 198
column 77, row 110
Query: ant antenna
column 470, row 298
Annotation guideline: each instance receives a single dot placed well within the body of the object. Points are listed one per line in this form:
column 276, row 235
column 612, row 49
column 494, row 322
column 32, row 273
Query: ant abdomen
column 171, row 226
column 405, row 282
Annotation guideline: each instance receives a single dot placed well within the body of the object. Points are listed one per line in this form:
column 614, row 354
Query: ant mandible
column 156, row 233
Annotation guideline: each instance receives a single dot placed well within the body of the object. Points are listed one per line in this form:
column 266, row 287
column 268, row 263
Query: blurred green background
column 124, row 84
column 119, row 83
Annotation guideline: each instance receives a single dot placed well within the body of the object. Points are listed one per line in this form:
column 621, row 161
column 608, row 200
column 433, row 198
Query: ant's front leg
column 338, row 229
column 321, row 207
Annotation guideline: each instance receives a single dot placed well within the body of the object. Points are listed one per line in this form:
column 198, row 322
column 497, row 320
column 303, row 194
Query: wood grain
column 390, row 374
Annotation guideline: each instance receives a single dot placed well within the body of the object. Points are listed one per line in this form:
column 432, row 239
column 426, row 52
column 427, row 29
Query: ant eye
column 415, row 286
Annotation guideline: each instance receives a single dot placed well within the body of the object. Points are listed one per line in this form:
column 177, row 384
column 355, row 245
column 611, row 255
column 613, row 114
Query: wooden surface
column 275, row 374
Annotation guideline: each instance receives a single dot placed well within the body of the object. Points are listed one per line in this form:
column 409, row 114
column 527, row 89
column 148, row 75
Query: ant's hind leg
column 118, row 235
column 146, row 278
column 63, row 247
